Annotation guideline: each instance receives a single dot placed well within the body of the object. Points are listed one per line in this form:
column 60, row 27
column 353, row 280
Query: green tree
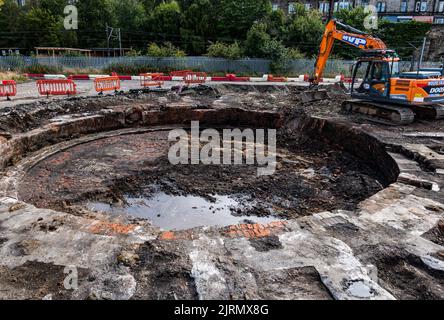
column 236, row 17
column 130, row 14
column 394, row 36
column 149, row 5
column 305, row 30
column 43, row 26
column 165, row 21
column 198, row 25
column 260, row 44
column 354, row 17
column 54, row 7
column 11, row 30
column 276, row 23
column 94, row 15
column 257, row 40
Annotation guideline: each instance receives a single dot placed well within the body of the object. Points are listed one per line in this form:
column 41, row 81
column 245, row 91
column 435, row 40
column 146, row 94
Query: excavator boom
column 353, row 37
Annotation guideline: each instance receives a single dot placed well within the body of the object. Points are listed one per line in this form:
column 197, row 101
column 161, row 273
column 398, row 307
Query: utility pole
column 120, row 43
column 422, row 54
column 116, row 34
column 331, row 9
column 109, row 34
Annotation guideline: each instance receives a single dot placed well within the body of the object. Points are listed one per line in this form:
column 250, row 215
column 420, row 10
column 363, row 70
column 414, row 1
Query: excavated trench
column 95, row 161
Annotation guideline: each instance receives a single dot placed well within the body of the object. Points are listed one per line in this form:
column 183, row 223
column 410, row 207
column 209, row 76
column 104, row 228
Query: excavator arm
column 352, row 37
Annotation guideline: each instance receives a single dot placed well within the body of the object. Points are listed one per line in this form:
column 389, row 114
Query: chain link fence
column 205, row 64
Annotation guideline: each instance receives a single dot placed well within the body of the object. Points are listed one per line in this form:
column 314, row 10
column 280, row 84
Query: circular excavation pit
column 128, row 172
column 88, row 182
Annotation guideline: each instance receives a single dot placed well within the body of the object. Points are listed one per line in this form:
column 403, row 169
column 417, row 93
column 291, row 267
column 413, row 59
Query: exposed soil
column 310, row 177
column 436, row 234
column 162, row 265
column 266, row 243
column 403, row 274
column 36, row 279
column 292, row 284
column 438, row 148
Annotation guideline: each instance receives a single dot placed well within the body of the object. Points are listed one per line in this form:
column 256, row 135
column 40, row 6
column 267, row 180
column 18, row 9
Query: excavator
column 378, row 88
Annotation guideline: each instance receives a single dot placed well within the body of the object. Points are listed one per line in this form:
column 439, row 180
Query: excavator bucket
column 314, row 95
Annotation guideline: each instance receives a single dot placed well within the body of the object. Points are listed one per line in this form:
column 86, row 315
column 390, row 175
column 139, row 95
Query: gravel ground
column 27, row 91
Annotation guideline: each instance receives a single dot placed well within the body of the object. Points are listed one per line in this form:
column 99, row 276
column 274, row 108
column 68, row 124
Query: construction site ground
column 355, row 209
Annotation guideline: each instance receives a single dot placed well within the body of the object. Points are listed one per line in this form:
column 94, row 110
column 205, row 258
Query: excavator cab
column 375, row 70
column 376, row 78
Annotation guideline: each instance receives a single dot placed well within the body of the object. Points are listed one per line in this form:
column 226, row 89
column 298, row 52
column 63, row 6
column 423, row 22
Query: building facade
column 431, row 11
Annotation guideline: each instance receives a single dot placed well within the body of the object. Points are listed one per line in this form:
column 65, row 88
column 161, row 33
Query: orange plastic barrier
column 8, row 88
column 180, row 73
column 107, row 84
column 151, row 79
column 276, row 79
column 56, row 87
column 195, row 77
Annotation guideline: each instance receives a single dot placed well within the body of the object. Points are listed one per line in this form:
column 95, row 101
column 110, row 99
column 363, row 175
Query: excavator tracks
column 380, row 112
column 439, row 112
column 429, row 112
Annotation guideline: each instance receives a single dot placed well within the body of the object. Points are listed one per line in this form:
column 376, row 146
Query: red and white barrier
column 195, row 78
column 180, row 76
column 45, row 76
column 151, row 79
column 8, row 88
column 56, row 87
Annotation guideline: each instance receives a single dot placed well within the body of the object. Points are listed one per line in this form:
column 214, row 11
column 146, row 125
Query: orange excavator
column 378, row 88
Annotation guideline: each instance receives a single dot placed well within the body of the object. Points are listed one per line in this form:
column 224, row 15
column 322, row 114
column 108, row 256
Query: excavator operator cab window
column 379, row 78
column 379, row 72
column 375, row 77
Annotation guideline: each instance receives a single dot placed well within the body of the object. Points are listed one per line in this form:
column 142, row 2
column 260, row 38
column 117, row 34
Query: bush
column 223, row 50
column 136, row 68
column 257, row 40
column 42, row 69
column 279, row 56
column 127, row 69
column 166, row 50
column 12, row 76
column 295, row 54
column 133, row 53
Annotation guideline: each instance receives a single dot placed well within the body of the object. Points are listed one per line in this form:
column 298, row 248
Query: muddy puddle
column 178, row 212
column 360, row 290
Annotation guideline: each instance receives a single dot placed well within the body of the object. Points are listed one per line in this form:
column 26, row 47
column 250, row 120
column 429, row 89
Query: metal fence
column 205, row 64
